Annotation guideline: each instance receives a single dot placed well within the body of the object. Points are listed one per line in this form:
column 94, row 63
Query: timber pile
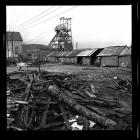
column 55, row 101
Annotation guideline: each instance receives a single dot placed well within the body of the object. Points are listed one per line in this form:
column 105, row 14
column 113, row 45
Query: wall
column 109, row 61
column 73, row 60
column 60, row 59
column 68, row 60
column 15, row 43
column 86, row 60
column 125, row 61
column 52, row 59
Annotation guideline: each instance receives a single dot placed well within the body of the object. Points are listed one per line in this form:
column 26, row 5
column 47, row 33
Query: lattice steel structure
column 63, row 38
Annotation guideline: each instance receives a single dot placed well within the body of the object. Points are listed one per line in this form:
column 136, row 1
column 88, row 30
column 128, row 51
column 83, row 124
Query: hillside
column 29, row 47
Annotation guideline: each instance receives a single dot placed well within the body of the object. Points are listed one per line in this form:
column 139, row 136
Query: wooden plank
column 44, row 116
column 31, row 117
column 79, row 108
column 65, row 117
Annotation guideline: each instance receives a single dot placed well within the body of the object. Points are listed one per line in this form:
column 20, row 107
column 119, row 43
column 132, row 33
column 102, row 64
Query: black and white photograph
column 68, row 67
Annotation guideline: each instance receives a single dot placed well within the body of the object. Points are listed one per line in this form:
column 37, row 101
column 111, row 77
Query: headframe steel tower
column 62, row 41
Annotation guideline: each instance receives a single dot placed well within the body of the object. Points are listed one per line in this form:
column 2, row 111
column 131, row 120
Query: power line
column 43, row 36
column 40, row 17
column 34, row 17
column 40, row 35
column 50, row 18
column 35, row 37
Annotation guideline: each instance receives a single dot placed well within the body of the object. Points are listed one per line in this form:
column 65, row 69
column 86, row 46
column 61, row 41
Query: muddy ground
column 103, row 78
column 123, row 73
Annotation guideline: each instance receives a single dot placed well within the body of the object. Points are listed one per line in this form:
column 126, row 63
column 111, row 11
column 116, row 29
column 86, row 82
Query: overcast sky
column 92, row 26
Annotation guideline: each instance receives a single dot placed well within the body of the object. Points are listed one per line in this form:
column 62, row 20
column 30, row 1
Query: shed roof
column 60, row 54
column 67, row 53
column 87, row 52
column 53, row 54
column 63, row 54
column 128, row 52
column 46, row 53
column 15, row 36
column 113, row 50
column 74, row 53
column 50, row 54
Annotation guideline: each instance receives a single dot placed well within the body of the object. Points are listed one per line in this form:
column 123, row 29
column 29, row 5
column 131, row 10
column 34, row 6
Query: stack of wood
column 48, row 100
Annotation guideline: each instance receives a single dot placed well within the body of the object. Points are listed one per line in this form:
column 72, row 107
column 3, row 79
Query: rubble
column 41, row 100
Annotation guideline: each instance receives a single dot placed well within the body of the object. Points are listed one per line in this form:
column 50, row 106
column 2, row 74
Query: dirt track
column 105, row 71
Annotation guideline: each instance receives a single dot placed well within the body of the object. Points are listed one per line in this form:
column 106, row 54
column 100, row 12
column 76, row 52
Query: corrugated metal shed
column 66, row 54
column 127, row 52
column 59, row 54
column 74, row 53
column 124, row 51
column 46, row 53
column 110, row 51
column 87, row 52
column 53, row 54
column 50, row 53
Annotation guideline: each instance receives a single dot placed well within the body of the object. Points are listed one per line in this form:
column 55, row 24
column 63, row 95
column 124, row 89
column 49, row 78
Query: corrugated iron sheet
column 87, row 52
column 56, row 54
column 50, row 54
column 109, row 61
column 53, row 54
column 125, row 61
column 113, row 50
column 67, row 53
column 60, row 54
column 74, row 53
column 126, row 52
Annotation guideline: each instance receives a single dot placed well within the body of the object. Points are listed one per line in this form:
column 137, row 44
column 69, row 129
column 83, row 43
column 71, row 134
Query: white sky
column 92, row 26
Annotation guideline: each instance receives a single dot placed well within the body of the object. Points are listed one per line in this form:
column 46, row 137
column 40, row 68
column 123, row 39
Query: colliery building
column 82, row 57
column 125, row 59
column 113, row 56
column 109, row 56
column 14, row 46
column 88, row 57
column 60, row 50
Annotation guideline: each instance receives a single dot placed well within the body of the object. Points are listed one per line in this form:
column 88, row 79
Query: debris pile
column 61, row 101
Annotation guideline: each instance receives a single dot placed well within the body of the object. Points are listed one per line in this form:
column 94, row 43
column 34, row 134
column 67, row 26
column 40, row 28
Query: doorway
column 79, row 60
